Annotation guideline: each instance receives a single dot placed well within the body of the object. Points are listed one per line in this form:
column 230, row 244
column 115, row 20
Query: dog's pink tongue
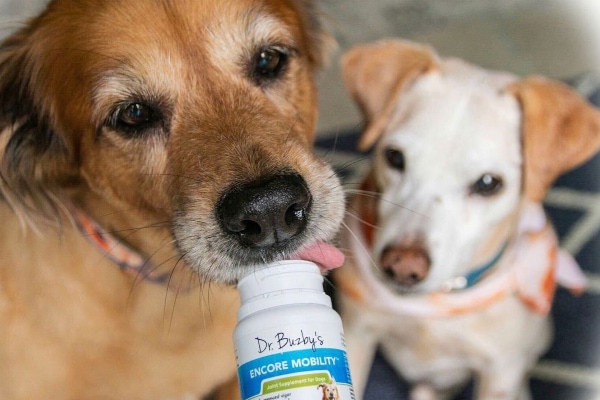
column 323, row 254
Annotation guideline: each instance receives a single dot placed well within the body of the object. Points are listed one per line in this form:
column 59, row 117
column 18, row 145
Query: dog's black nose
column 266, row 213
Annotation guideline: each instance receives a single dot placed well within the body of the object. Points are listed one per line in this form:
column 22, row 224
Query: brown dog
column 146, row 145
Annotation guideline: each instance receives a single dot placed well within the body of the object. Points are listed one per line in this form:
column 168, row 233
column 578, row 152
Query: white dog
column 452, row 264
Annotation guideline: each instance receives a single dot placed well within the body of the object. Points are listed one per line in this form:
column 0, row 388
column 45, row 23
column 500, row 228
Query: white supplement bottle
column 289, row 342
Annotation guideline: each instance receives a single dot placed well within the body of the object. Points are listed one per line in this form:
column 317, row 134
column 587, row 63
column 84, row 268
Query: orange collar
column 127, row 259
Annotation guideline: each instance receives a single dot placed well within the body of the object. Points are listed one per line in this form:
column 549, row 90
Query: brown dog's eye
column 269, row 64
column 395, row 158
column 136, row 115
column 487, row 185
column 133, row 119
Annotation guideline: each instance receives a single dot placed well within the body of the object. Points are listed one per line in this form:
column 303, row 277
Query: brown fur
column 75, row 326
column 554, row 142
column 376, row 81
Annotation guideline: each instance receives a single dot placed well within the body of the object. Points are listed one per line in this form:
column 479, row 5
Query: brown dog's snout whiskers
column 407, row 265
column 267, row 213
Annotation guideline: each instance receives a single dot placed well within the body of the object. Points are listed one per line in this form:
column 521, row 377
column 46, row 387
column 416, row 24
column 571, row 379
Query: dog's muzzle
column 267, row 213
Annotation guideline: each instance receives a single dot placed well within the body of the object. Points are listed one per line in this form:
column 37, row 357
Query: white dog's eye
column 487, row 185
column 395, row 158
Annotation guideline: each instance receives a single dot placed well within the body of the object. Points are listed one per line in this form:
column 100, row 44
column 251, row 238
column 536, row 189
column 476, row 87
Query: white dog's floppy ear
column 376, row 73
column 561, row 130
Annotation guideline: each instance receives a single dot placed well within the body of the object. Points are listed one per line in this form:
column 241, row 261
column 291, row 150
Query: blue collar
column 469, row 280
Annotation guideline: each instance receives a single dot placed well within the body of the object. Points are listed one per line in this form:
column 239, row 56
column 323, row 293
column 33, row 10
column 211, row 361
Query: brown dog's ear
column 561, row 130
column 34, row 159
column 375, row 74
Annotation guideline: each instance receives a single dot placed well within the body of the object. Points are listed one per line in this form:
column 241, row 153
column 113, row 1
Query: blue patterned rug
column 571, row 368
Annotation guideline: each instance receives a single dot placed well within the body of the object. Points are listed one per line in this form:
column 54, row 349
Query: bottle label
column 293, row 365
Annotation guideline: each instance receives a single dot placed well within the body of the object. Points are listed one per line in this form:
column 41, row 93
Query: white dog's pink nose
column 407, row 265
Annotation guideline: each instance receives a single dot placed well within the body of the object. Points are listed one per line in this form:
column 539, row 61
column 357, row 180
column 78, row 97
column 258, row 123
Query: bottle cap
column 281, row 283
